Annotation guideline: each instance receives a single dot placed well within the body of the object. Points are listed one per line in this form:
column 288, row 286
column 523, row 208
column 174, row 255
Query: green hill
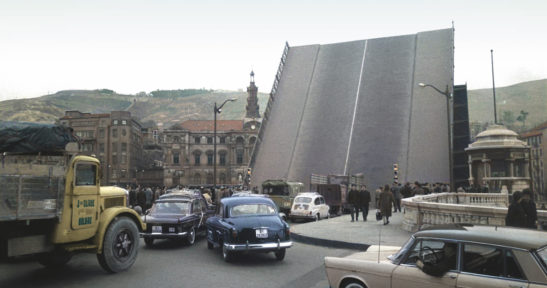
column 165, row 107
column 530, row 97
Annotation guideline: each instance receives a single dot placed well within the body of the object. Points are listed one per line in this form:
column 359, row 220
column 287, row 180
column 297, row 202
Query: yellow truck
column 52, row 205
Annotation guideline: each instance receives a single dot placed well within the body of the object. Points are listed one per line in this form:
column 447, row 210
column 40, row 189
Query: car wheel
column 149, row 242
column 120, row 245
column 280, row 255
column 210, row 245
column 354, row 284
column 227, row 255
column 191, row 238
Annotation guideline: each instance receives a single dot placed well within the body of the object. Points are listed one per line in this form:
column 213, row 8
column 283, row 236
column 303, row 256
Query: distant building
column 115, row 139
column 537, row 140
column 188, row 148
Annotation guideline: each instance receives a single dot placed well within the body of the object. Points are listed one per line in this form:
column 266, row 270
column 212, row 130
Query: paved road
column 170, row 264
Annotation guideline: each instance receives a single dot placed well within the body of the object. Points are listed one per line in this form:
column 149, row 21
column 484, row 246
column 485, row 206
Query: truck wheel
column 149, row 242
column 120, row 245
column 55, row 259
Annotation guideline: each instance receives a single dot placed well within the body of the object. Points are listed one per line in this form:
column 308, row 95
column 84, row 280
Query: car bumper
column 270, row 246
column 302, row 216
column 164, row 235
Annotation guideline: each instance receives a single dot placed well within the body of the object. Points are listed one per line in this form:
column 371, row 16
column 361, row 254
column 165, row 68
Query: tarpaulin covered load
column 23, row 137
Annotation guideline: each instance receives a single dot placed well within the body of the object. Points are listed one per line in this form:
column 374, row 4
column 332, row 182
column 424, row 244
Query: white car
column 309, row 205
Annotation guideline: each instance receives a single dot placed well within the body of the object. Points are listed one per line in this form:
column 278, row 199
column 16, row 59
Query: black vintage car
column 248, row 224
column 176, row 218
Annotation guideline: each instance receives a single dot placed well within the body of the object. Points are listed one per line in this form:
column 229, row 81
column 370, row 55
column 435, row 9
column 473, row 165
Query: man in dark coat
column 385, row 203
column 529, row 206
column 396, row 190
column 141, row 198
column 516, row 216
column 353, row 200
column 364, row 201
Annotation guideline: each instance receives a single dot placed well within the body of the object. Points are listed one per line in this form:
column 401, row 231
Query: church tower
column 252, row 99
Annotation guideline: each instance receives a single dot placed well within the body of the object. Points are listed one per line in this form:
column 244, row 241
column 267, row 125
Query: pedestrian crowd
column 522, row 211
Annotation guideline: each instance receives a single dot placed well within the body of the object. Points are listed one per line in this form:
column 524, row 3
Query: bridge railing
column 273, row 94
column 450, row 208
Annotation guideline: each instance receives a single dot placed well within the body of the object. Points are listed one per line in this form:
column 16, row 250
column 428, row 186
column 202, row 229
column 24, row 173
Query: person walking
column 385, row 202
column 516, row 217
column 141, row 198
column 396, row 190
column 364, row 201
column 529, row 207
column 353, row 200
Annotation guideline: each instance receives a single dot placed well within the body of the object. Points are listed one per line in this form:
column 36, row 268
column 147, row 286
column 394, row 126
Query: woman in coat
column 385, row 203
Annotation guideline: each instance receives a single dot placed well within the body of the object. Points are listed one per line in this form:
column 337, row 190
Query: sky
column 141, row 46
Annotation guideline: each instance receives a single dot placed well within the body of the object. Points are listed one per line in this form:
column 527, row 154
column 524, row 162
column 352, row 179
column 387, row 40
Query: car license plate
column 262, row 233
column 156, row 229
column 171, row 229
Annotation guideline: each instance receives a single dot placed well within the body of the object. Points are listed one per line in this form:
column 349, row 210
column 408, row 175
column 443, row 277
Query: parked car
column 451, row 256
column 310, row 206
column 248, row 224
column 176, row 218
column 188, row 193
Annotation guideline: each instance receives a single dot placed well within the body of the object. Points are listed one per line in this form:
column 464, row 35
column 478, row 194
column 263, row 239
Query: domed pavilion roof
column 496, row 136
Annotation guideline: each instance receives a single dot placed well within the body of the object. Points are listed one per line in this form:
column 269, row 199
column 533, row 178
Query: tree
column 522, row 117
column 508, row 118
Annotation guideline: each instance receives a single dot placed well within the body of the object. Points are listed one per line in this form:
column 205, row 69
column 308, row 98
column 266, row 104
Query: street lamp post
column 448, row 96
column 216, row 111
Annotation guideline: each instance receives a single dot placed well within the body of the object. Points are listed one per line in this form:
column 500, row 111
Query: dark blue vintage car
column 248, row 224
column 176, row 218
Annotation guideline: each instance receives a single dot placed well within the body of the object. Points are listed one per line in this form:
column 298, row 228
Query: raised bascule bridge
column 356, row 107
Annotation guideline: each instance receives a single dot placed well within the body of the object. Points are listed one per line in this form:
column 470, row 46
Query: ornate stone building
column 499, row 161
column 537, row 140
column 115, row 139
column 188, row 148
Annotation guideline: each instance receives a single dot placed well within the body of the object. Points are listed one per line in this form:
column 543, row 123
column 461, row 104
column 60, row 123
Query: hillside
column 167, row 107
column 164, row 107
column 529, row 97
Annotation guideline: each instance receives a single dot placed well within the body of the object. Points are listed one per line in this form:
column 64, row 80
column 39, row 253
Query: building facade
column 189, row 148
column 115, row 139
column 536, row 139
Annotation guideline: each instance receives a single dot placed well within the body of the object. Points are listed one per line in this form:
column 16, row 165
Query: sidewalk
column 340, row 232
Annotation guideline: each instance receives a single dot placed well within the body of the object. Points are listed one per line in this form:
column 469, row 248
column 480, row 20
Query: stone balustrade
column 449, row 208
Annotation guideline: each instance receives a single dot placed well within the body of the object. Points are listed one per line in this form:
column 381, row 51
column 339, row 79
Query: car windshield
column 252, row 209
column 542, row 253
column 302, row 200
column 395, row 258
column 276, row 190
column 171, row 208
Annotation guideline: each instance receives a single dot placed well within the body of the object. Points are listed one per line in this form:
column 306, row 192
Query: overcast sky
column 133, row 46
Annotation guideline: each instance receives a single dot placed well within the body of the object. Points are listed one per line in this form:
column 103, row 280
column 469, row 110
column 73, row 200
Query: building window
column 176, row 139
column 239, row 156
column 197, row 159
column 209, row 140
column 101, row 148
column 114, row 132
column 176, row 158
column 222, row 140
column 222, row 179
column 124, row 132
column 123, row 159
column 197, row 140
column 222, row 159
column 101, row 132
column 115, row 122
column 210, row 159
column 124, row 147
column 87, row 147
column 209, row 178
column 197, row 178
column 114, row 160
column 124, row 122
